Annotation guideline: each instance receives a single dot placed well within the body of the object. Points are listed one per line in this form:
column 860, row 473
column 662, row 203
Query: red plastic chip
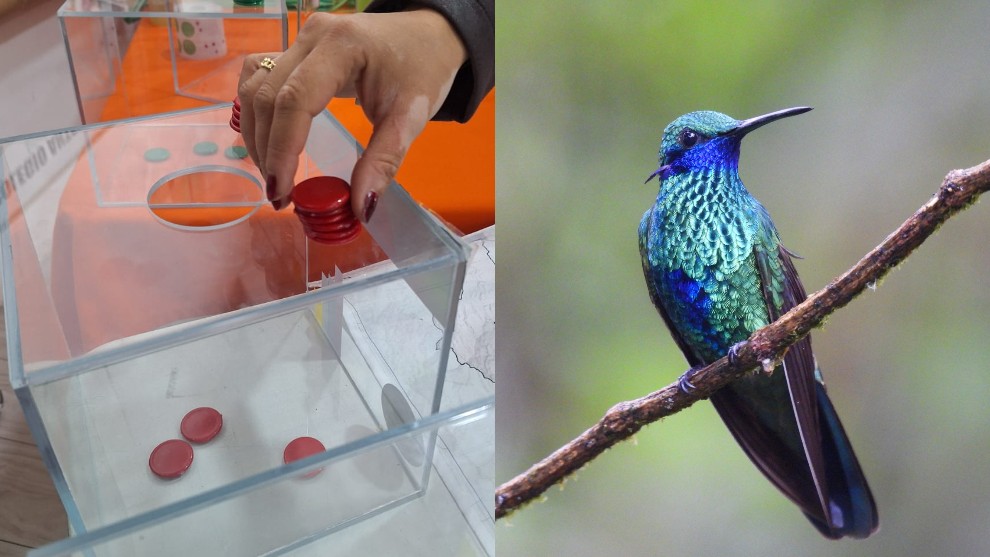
column 201, row 424
column 342, row 214
column 171, row 459
column 331, row 239
column 333, row 228
column 300, row 448
column 321, row 194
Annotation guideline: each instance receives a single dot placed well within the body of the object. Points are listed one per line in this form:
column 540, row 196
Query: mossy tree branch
column 764, row 348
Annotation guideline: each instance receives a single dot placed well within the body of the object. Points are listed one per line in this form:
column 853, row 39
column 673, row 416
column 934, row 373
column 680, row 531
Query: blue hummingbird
column 716, row 271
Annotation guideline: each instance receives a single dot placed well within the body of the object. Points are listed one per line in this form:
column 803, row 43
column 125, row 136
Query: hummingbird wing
column 786, row 423
column 845, row 498
column 799, row 369
column 775, row 418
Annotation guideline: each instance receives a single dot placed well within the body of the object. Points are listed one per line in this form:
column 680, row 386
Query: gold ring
column 268, row 63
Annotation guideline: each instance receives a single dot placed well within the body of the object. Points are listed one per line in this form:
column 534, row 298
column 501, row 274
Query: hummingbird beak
column 662, row 172
column 751, row 124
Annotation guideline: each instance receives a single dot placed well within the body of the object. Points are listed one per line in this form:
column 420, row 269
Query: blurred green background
column 902, row 95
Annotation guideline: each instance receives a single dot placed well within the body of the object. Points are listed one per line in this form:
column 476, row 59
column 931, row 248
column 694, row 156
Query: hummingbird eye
column 688, row 138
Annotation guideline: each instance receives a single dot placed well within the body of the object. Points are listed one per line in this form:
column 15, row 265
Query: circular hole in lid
column 205, row 197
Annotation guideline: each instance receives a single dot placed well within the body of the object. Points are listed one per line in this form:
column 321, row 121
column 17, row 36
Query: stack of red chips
column 235, row 119
column 323, row 204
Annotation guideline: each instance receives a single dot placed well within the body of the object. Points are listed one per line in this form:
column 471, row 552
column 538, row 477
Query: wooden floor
column 30, row 512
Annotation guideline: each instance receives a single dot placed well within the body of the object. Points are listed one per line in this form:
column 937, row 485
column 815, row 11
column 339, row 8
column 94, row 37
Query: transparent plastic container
column 281, row 512
column 129, row 57
column 145, row 275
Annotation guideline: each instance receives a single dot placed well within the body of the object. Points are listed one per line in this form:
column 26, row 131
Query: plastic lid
column 201, row 424
column 321, row 194
column 171, row 459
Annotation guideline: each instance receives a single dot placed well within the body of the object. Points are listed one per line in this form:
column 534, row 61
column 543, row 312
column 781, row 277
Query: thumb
column 390, row 140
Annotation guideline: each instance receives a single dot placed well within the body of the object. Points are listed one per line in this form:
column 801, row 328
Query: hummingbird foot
column 684, row 381
column 733, row 353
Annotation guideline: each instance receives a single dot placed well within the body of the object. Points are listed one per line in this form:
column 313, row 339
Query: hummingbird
column 716, row 271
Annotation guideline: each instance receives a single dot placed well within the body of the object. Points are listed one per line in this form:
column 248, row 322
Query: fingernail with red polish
column 278, row 204
column 270, row 187
column 370, row 201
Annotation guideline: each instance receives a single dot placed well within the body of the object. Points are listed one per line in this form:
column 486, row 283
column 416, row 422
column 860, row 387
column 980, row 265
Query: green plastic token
column 156, row 154
column 235, row 152
column 205, row 148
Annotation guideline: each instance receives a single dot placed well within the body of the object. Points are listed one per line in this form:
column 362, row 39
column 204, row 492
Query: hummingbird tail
column 853, row 512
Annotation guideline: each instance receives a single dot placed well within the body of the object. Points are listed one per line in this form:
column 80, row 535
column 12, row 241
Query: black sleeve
column 474, row 21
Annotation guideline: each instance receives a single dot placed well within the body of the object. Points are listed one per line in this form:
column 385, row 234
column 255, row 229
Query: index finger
column 302, row 97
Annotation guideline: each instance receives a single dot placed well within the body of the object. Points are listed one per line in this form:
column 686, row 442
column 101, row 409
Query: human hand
column 399, row 66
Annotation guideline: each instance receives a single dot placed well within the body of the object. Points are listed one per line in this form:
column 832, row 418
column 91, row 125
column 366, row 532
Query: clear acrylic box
column 127, row 56
column 145, row 275
column 277, row 513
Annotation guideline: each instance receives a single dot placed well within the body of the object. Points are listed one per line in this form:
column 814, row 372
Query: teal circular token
column 156, row 154
column 235, row 152
column 205, row 148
